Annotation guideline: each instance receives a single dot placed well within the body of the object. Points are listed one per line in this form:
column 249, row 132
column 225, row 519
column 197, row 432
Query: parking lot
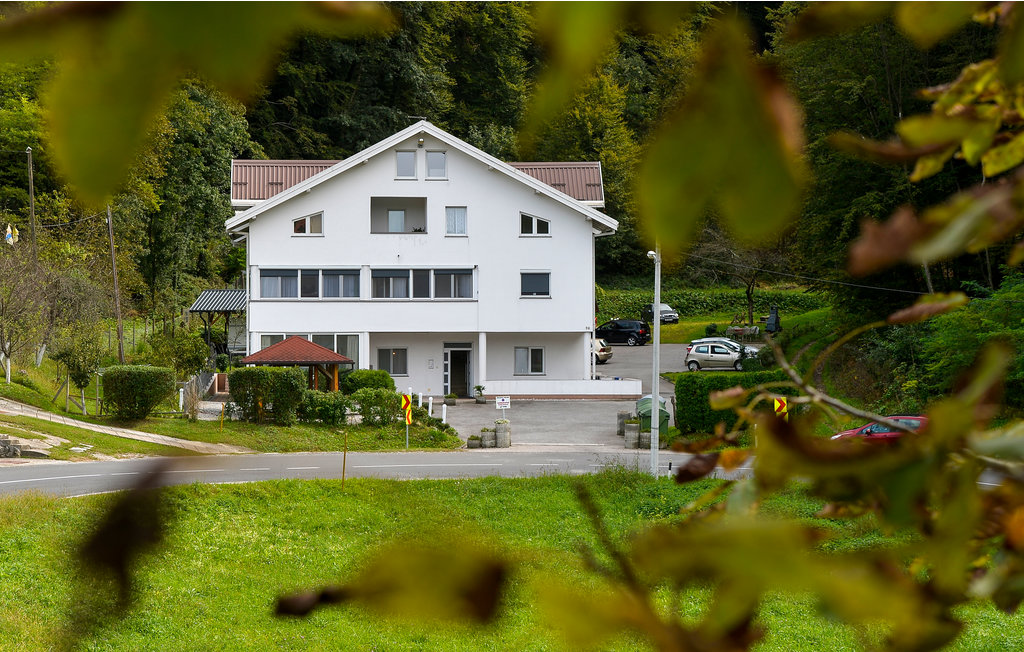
column 572, row 423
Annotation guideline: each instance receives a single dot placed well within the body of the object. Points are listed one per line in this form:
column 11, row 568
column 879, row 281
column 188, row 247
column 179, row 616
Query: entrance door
column 457, row 372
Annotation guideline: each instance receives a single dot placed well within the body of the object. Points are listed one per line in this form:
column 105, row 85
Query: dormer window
column 530, row 225
column 437, row 165
column 405, row 162
column 309, row 225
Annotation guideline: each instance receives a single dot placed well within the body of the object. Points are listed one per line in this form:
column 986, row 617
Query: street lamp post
column 656, row 375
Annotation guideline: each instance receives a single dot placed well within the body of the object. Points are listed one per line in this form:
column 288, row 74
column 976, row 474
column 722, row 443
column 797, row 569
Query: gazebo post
column 334, row 380
column 316, row 377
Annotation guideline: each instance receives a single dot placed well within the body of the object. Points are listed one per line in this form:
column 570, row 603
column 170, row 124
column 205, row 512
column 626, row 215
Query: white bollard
column 181, row 398
column 419, row 402
column 410, row 393
column 430, row 406
column 444, row 414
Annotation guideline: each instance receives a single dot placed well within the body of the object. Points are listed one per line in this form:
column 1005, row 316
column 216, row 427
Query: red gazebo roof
column 296, row 351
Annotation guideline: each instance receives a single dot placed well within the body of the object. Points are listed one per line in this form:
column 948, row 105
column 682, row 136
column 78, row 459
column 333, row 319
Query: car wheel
column 693, row 366
column 601, row 361
column 632, row 341
column 738, row 366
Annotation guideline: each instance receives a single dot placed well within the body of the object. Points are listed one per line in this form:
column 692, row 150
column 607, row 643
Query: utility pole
column 32, row 203
column 117, row 292
column 656, row 372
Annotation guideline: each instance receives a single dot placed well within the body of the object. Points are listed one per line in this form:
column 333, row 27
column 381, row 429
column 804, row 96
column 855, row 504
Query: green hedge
column 257, row 389
column 694, row 413
column 132, row 391
column 378, row 406
column 329, row 408
column 627, row 304
column 356, row 380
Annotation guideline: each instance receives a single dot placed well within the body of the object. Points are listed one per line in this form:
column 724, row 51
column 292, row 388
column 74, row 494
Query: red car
column 880, row 432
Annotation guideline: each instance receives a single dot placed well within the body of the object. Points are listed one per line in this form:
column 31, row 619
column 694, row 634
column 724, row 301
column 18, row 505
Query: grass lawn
column 231, row 549
column 268, row 438
column 102, row 445
column 691, row 328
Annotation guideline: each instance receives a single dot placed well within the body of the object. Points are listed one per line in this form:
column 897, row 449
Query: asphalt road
column 82, row 478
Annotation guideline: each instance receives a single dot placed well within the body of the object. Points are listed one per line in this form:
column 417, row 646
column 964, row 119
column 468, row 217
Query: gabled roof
column 253, row 181
column 259, row 180
column 580, row 180
column 219, row 301
column 600, row 221
column 296, row 351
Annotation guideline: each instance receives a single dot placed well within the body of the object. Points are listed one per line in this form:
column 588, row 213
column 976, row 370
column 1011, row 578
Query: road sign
column 502, row 402
column 782, row 408
column 407, row 408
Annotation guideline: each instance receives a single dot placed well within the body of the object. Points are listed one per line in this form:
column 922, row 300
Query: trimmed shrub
column 258, row 389
column 329, row 408
column 378, row 407
column 694, row 413
column 356, row 380
column 131, row 392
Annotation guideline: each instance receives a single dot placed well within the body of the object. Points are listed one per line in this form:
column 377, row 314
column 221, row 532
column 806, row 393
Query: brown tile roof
column 257, row 180
column 296, row 351
column 579, row 180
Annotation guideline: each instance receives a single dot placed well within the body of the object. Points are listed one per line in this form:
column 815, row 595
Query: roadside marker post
column 782, row 409
column 430, row 406
column 407, row 409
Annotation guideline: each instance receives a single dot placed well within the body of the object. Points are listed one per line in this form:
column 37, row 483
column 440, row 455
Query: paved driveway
column 540, row 424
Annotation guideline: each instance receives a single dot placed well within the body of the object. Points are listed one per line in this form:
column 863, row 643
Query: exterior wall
column 492, row 248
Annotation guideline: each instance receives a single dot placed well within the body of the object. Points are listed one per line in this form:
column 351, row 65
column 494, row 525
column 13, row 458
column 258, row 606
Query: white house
column 431, row 259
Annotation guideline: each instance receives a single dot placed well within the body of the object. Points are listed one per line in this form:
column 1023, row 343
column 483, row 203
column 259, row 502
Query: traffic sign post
column 407, row 409
column 503, row 403
column 782, row 409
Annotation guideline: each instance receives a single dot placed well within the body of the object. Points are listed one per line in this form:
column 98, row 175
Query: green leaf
column 735, row 142
column 1005, row 443
column 931, row 164
column 927, row 23
column 1001, row 158
column 120, row 64
column 1011, row 47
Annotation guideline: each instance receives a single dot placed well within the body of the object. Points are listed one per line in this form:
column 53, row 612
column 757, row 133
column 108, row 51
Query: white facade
column 437, row 258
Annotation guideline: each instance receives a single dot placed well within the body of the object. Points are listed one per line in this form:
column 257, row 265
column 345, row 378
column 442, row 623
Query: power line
column 807, row 278
column 57, row 224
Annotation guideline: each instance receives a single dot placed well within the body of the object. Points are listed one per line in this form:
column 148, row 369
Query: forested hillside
column 472, row 68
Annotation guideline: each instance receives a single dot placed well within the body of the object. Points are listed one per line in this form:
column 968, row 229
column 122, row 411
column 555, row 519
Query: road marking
column 126, row 473
column 56, row 477
column 396, row 466
column 195, row 471
column 545, row 464
column 262, row 468
column 301, row 468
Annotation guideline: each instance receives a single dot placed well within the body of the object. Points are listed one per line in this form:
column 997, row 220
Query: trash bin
column 643, row 410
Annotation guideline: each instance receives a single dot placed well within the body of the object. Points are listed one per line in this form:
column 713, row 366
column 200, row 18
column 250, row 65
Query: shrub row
column 328, row 408
column 693, row 411
column 378, row 406
column 628, row 303
column 258, row 389
column 358, row 379
column 132, row 391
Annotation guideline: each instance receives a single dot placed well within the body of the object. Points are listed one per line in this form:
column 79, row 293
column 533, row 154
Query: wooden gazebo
column 299, row 352
column 211, row 304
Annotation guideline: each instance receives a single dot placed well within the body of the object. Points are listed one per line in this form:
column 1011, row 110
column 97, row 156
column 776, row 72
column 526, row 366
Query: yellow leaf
column 927, row 23
column 732, row 458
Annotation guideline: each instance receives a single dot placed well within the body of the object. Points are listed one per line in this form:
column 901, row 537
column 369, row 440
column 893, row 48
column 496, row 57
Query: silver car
column 748, row 351
column 712, row 355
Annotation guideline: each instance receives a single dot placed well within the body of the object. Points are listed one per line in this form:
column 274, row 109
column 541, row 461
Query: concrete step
column 14, row 447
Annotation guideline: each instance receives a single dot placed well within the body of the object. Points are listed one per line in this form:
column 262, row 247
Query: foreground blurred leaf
column 882, row 245
column 577, row 35
column 119, row 63
column 927, row 23
column 823, row 18
column 446, row 579
column 927, row 307
column 735, row 143
column 893, row 151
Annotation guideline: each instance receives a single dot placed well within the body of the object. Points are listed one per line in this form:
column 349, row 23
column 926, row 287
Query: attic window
column 309, row 225
column 530, row 225
column 405, row 165
column 437, row 165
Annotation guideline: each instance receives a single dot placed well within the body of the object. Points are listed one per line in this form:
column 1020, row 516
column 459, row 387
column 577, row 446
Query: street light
column 656, row 376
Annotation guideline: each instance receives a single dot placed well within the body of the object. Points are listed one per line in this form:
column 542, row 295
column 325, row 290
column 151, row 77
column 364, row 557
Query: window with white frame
column 437, row 165
column 339, row 283
column 309, row 286
column 535, row 284
column 455, row 220
column 279, row 283
column 421, row 284
column 531, row 225
column 393, row 361
column 453, row 283
column 405, row 164
column 529, row 360
column 309, row 225
column 390, row 283
column 269, row 340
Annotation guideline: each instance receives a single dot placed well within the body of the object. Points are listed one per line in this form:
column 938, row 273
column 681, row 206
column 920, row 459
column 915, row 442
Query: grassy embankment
column 101, row 445
column 230, row 550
